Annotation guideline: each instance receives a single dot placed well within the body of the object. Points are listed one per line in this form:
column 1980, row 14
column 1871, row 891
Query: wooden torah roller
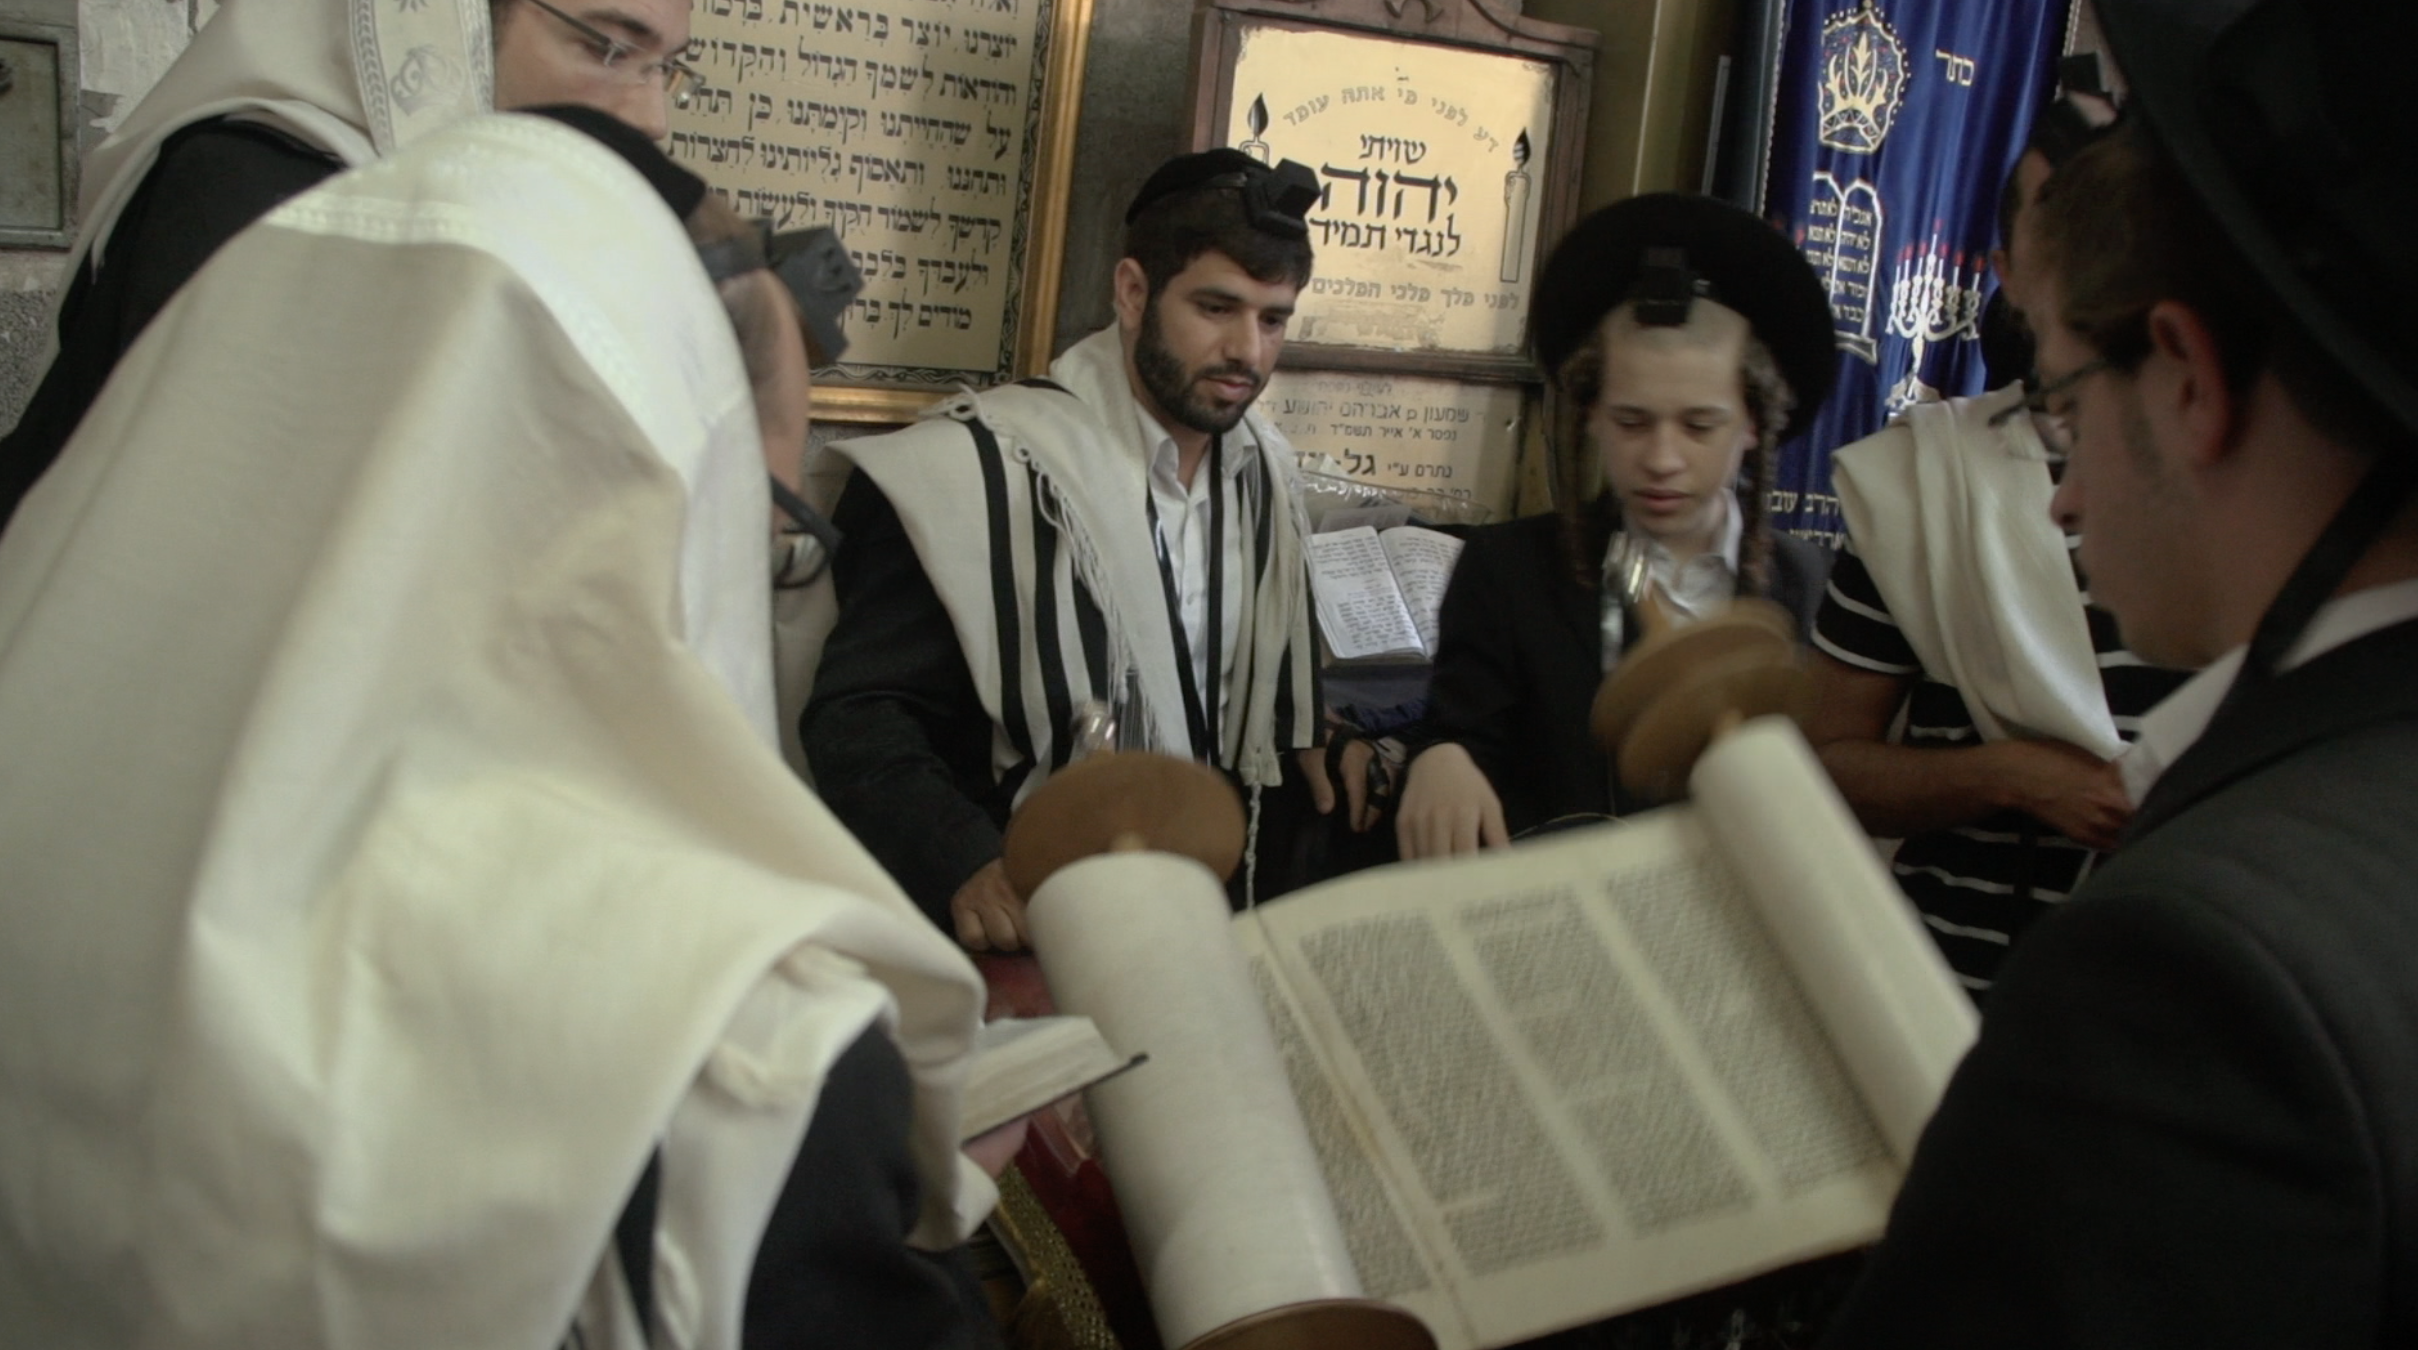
column 1113, row 801
column 1328, row 1324
column 1661, row 705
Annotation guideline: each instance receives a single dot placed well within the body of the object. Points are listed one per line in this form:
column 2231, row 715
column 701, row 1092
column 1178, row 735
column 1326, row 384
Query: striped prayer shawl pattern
column 1029, row 516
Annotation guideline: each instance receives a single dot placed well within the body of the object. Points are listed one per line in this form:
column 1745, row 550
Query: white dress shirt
column 2171, row 728
column 1699, row 588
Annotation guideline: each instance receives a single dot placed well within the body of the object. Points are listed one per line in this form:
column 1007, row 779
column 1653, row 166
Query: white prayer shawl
column 1951, row 516
column 396, row 851
column 356, row 78
column 1071, row 492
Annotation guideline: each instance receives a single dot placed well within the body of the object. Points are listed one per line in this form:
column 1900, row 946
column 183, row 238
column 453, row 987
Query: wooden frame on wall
column 39, row 62
column 1407, row 379
column 1448, row 135
column 883, row 119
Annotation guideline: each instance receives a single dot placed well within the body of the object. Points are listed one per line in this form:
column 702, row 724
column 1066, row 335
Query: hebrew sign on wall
column 1429, row 157
column 911, row 127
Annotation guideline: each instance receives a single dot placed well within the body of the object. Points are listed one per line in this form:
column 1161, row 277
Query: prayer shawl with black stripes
column 1029, row 512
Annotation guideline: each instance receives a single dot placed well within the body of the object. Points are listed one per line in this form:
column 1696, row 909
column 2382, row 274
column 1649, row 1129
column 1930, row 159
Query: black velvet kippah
column 680, row 189
column 1667, row 249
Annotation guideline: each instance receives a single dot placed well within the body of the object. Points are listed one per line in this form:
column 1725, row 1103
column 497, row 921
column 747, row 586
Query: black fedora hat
column 2293, row 123
column 1633, row 249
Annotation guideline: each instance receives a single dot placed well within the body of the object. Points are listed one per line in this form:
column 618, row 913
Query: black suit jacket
column 1520, row 655
column 895, row 731
column 2192, row 1116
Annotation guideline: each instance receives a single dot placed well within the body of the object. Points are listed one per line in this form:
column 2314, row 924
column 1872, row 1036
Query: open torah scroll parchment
column 1540, row 1086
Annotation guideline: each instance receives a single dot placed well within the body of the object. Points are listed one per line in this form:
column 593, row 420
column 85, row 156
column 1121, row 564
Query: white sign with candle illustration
column 1427, row 229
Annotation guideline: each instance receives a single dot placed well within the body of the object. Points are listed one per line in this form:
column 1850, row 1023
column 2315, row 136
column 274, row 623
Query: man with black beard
column 1127, row 532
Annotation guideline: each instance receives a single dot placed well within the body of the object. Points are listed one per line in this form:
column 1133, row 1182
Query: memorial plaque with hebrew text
column 911, row 127
column 1431, row 159
column 1452, row 438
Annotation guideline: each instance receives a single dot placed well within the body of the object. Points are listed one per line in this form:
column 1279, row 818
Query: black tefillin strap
column 811, row 264
column 807, row 521
column 634, row 1243
column 1200, row 714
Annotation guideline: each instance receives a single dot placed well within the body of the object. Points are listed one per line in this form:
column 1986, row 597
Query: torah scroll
column 1204, row 1143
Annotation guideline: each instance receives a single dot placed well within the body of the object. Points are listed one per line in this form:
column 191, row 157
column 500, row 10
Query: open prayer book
column 1589, row 1073
column 1378, row 592
column 1022, row 1064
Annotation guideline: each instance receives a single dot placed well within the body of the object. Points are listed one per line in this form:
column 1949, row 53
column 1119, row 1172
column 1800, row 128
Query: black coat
column 1520, row 655
column 2192, row 1116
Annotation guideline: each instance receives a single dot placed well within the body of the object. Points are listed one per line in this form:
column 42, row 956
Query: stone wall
column 1133, row 117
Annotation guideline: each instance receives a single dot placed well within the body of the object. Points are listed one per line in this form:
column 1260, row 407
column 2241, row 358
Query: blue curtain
column 1895, row 124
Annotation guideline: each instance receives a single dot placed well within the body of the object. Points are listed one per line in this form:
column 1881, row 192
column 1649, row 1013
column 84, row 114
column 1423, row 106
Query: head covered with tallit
column 398, row 853
column 358, row 79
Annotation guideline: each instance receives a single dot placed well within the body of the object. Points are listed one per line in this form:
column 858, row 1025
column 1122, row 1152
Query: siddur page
column 1422, row 561
column 1360, row 605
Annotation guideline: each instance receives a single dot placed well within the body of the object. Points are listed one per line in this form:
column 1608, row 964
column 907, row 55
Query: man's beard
column 1177, row 391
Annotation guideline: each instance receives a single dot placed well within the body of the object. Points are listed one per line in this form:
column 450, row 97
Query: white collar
column 1733, row 536
column 2176, row 724
column 1165, row 457
column 1238, row 447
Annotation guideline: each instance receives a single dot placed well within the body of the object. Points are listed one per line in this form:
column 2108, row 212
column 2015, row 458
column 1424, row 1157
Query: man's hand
column 1449, row 807
column 1900, row 791
column 1354, row 768
column 2068, row 789
column 992, row 1152
column 989, row 916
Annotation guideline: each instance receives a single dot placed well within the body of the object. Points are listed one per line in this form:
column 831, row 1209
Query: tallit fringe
column 1261, row 759
column 1093, row 576
column 1281, row 612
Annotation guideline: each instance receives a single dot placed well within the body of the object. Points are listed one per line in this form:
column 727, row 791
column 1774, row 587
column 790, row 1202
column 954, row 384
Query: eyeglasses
column 2056, row 428
column 628, row 64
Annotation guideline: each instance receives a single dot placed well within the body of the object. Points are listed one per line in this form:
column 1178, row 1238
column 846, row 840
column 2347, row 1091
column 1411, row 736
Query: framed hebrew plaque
column 1418, row 438
column 936, row 137
column 1446, row 138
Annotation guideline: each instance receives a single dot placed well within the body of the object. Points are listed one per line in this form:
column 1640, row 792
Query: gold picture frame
column 884, row 119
